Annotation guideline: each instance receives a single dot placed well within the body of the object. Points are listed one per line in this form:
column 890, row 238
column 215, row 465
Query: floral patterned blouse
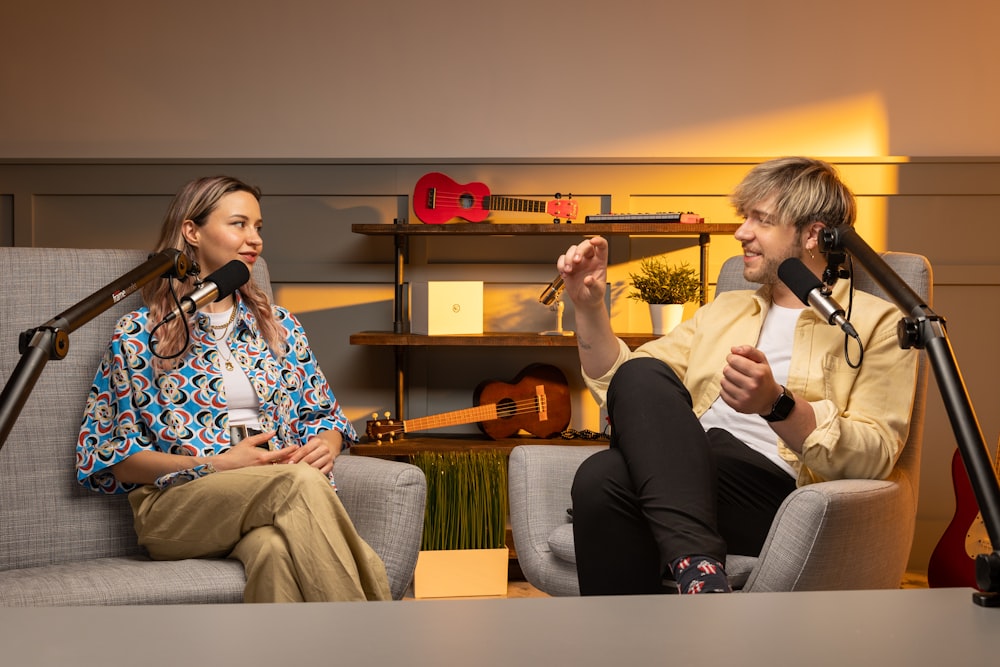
column 130, row 409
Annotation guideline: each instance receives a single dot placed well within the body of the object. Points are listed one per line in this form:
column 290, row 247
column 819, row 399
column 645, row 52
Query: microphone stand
column 551, row 296
column 51, row 340
column 923, row 329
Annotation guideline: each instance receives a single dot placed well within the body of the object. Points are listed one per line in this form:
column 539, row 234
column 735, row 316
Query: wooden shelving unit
column 399, row 337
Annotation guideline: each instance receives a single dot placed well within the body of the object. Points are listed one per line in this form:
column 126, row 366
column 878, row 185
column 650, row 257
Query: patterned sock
column 700, row 574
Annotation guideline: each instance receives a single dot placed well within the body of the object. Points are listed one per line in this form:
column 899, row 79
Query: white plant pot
column 665, row 316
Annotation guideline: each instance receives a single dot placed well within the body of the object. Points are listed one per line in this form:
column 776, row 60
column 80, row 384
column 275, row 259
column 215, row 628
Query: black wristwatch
column 782, row 407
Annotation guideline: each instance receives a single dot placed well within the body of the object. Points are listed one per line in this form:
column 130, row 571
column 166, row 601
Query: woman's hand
column 246, row 453
column 320, row 451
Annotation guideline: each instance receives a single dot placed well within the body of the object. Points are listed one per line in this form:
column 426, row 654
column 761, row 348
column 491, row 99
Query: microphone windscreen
column 798, row 278
column 229, row 278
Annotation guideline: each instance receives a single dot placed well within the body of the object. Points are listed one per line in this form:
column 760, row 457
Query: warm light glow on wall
column 301, row 299
column 873, row 185
column 854, row 126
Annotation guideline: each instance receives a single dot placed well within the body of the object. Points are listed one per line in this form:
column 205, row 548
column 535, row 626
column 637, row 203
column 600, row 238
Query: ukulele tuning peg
column 374, row 415
column 387, row 414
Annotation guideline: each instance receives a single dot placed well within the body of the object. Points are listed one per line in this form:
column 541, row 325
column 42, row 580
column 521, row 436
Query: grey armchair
column 845, row 534
column 61, row 544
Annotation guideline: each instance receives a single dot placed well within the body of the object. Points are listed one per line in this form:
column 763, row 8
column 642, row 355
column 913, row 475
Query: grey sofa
column 845, row 534
column 63, row 545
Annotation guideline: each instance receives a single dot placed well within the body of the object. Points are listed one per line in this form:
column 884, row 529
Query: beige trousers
column 284, row 522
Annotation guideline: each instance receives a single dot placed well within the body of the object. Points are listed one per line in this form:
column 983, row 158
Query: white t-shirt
column 776, row 337
column 240, row 396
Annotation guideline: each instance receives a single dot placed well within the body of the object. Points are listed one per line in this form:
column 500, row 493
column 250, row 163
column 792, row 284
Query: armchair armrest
column 385, row 500
column 539, row 480
column 818, row 524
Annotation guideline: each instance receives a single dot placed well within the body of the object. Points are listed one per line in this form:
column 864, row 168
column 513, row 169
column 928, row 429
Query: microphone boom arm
column 51, row 340
column 924, row 329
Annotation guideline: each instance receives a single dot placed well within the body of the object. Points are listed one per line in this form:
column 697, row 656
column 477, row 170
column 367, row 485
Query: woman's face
column 232, row 231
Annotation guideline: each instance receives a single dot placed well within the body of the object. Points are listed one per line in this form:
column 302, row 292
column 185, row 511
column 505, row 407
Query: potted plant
column 666, row 288
column 463, row 551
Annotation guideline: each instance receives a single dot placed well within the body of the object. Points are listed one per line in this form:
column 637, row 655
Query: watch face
column 782, row 407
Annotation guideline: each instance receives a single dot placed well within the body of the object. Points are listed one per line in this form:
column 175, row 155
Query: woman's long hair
column 195, row 202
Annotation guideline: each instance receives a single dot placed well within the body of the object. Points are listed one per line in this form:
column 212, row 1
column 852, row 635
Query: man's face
column 767, row 242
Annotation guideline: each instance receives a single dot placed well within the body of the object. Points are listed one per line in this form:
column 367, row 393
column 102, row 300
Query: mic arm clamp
column 835, row 258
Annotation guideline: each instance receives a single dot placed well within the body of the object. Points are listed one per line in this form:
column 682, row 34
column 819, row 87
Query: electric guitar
column 438, row 199
column 953, row 561
column 537, row 401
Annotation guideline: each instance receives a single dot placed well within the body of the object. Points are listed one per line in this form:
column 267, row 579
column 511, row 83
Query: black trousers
column 666, row 488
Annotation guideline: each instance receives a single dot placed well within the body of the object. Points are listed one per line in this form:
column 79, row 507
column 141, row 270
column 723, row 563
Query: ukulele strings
column 503, row 411
column 452, row 198
column 520, row 407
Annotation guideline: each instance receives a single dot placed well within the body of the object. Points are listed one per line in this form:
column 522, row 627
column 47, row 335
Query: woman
column 222, row 428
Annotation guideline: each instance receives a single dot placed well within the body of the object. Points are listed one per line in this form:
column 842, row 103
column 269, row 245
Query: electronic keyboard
column 686, row 218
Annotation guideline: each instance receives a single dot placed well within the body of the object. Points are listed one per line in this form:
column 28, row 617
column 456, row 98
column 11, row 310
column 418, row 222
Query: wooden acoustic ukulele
column 536, row 401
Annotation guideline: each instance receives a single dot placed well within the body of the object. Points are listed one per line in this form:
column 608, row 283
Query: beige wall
column 521, row 78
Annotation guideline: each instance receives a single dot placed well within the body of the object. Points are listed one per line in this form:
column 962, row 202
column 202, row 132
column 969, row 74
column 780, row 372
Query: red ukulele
column 438, row 199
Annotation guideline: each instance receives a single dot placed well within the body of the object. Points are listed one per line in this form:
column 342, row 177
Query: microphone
column 805, row 285
column 217, row 286
column 552, row 291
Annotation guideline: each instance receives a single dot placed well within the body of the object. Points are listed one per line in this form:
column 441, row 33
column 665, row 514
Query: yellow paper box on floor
column 452, row 573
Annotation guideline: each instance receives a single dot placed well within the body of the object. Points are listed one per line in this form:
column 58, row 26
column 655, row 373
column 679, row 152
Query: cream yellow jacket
column 862, row 415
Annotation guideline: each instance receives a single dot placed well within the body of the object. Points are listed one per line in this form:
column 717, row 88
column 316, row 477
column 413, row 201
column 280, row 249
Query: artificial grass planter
column 463, row 551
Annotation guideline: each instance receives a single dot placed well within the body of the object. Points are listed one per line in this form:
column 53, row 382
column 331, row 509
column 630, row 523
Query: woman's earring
column 195, row 272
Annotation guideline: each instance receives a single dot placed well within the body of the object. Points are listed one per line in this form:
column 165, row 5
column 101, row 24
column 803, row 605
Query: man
column 714, row 424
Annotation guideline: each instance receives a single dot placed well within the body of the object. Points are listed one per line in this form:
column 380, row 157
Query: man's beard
column 767, row 272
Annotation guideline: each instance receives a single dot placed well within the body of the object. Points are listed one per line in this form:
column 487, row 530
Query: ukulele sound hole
column 506, row 408
column 466, row 200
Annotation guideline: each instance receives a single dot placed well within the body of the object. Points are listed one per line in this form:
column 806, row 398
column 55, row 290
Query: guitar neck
column 455, row 418
column 500, row 203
